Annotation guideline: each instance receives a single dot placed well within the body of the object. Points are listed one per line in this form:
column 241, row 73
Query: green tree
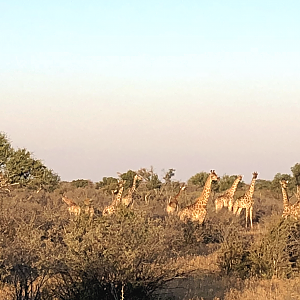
column 168, row 175
column 276, row 186
column 81, row 183
column 6, row 150
column 22, row 168
column 153, row 182
column 262, row 184
column 199, row 179
column 226, row 182
column 296, row 172
column 108, row 184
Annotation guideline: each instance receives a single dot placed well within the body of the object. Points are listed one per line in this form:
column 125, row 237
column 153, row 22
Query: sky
column 93, row 88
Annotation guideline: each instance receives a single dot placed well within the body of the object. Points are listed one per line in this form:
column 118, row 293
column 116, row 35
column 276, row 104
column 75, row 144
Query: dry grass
column 275, row 289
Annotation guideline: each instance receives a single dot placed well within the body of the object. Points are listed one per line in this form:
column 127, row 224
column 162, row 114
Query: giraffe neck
column 119, row 196
column 132, row 190
column 251, row 188
column 174, row 199
column 233, row 188
column 203, row 199
column 285, row 197
column 177, row 195
column 68, row 201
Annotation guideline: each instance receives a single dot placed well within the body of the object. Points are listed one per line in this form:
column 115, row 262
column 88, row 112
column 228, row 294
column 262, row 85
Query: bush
column 277, row 254
column 124, row 253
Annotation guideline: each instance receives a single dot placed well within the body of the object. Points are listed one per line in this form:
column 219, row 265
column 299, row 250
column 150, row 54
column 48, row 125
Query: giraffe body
column 246, row 201
column 197, row 211
column 226, row 199
column 173, row 202
column 288, row 209
column 128, row 199
column 73, row 208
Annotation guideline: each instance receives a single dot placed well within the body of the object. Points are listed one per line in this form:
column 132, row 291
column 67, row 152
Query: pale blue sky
column 98, row 87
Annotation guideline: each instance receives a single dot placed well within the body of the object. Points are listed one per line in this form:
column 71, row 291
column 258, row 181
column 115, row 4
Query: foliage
column 199, row 179
column 233, row 256
column 6, row 150
column 108, row 184
column 276, row 186
column 129, row 177
column 262, row 184
column 81, row 183
column 125, row 253
column 22, row 168
column 168, row 175
column 296, row 172
column 153, row 182
column 275, row 254
column 278, row 252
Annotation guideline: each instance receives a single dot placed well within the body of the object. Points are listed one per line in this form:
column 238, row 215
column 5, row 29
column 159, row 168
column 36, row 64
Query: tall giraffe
column 197, row 211
column 226, row 199
column 127, row 200
column 73, row 208
column 173, row 202
column 110, row 209
column 285, row 198
column 246, row 201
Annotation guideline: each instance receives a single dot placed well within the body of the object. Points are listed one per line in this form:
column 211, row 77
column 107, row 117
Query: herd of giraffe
column 198, row 210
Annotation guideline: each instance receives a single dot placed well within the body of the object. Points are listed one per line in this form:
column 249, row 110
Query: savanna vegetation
column 140, row 252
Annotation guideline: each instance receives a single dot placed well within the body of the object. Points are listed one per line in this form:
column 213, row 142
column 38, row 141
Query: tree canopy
column 20, row 167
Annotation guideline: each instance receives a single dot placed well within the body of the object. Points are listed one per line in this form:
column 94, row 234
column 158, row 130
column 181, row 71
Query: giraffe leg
column 250, row 215
column 247, row 213
column 239, row 211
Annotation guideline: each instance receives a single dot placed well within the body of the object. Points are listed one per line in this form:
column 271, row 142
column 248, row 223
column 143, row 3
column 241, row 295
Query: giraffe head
column 214, row 176
column 254, row 175
column 240, row 177
column 87, row 201
column 284, row 183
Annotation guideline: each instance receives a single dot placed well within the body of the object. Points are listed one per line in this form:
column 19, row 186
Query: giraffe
column 297, row 194
column 289, row 210
column 246, row 201
column 173, row 202
column 285, row 198
column 73, row 207
column 110, row 209
column 89, row 209
column 226, row 199
column 197, row 211
column 127, row 200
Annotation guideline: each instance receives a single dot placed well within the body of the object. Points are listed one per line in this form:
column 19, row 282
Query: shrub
column 124, row 253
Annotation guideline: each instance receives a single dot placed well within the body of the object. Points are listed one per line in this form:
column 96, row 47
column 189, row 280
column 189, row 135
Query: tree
column 19, row 167
column 81, row 183
column 6, row 150
column 276, row 186
column 153, row 182
column 108, row 184
column 296, row 172
column 199, row 179
column 22, row 168
column 226, row 182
